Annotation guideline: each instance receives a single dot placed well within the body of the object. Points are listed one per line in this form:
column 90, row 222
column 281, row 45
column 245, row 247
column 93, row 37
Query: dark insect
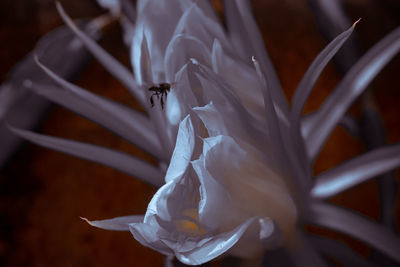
column 161, row 91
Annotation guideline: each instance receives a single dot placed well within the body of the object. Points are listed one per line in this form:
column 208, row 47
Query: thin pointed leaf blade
column 352, row 85
column 356, row 171
column 114, row 159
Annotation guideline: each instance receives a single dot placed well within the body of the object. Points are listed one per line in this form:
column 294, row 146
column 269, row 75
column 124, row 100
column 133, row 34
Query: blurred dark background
column 43, row 193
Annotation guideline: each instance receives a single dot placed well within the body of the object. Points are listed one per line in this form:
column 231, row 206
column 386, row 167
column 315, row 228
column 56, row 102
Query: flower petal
column 200, row 25
column 356, row 171
column 114, row 159
column 245, row 175
column 116, row 224
column 146, row 235
column 245, row 36
column 295, row 177
column 215, row 247
column 180, row 49
column 241, row 77
column 156, row 20
column 183, row 151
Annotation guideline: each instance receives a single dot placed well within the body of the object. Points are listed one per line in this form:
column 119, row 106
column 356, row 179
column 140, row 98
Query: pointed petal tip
column 86, row 220
column 355, row 23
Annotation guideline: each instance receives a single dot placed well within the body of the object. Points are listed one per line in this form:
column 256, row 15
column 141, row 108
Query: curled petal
column 217, row 245
column 146, row 235
column 183, row 151
column 181, row 48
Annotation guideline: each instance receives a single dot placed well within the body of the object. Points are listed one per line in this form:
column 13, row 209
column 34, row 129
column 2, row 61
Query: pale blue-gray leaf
column 129, row 124
column 110, row 63
column 356, row 171
column 114, row 159
column 352, row 85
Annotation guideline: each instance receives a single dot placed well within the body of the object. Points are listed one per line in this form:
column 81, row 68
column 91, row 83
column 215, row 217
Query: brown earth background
column 43, row 193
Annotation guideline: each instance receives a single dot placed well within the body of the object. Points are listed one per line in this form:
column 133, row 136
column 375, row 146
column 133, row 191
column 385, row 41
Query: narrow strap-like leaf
column 110, row 63
column 117, row 223
column 347, row 222
column 356, row 171
column 126, row 122
column 114, row 159
column 246, row 37
column 313, row 73
column 352, row 85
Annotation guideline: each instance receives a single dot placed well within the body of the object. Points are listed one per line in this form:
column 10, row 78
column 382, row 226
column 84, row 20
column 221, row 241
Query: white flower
column 239, row 177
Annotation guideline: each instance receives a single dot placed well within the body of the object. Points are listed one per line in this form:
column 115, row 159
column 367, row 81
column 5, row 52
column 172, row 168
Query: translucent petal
column 245, row 36
column 341, row 220
column 241, row 77
column 351, row 86
column 194, row 22
column 181, row 48
column 356, row 171
column 156, row 20
column 218, row 245
column 116, row 224
column 114, row 159
column 144, row 73
column 215, row 204
column 146, row 235
column 184, row 147
column 281, row 144
column 110, row 63
column 249, row 180
column 226, row 101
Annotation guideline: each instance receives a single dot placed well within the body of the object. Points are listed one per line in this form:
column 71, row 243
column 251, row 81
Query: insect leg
column 151, row 101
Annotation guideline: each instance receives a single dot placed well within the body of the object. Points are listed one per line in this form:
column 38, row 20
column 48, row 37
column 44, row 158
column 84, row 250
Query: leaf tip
column 355, row 23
